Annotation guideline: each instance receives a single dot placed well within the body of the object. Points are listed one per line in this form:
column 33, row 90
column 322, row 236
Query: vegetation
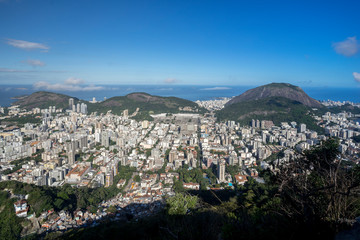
column 22, row 120
column 180, row 204
column 43, row 99
column 276, row 109
column 146, row 104
column 18, row 163
column 137, row 178
column 313, row 195
column 323, row 191
column 284, row 90
column 194, row 175
column 356, row 139
column 10, row 225
column 344, row 108
column 309, row 197
column 217, row 152
column 143, row 115
column 282, row 85
column 274, row 156
column 42, row 198
column 232, row 170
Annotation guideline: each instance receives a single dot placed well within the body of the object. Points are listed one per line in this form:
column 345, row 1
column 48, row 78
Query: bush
column 180, row 204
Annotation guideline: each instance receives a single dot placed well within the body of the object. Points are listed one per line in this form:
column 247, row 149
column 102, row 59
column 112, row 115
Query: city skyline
column 62, row 45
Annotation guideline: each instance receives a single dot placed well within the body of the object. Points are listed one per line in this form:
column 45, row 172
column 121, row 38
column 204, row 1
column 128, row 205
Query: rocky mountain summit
column 285, row 90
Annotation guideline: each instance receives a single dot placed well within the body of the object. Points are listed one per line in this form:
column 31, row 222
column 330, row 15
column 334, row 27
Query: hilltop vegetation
column 277, row 102
column 146, row 103
column 276, row 109
column 44, row 99
column 344, row 108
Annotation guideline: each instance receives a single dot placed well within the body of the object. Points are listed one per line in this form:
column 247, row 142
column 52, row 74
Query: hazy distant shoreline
column 10, row 93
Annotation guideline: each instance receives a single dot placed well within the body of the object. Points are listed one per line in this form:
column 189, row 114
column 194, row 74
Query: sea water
column 190, row 92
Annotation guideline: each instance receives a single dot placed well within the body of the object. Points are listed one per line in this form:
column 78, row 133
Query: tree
column 137, row 178
column 59, row 204
column 112, row 209
column 317, row 188
column 181, row 203
column 178, row 186
column 148, row 153
column 93, row 209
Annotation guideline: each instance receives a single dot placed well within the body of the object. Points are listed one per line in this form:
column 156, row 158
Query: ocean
column 190, row 92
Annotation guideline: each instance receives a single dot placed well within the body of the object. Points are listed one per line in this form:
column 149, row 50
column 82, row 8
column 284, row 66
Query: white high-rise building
column 83, row 108
column 71, row 103
column 105, row 139
column 221, row 171
column 71, row 150
column 302, row 127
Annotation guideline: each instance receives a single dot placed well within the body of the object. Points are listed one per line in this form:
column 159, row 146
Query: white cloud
column 34, row 62
column 74, row 81
column 27, row 45
column 215, row 88
column 356, row 76
column 10, row 70
column 348, row 47
column 165, row 89
column 170, row 80
column 71, row 84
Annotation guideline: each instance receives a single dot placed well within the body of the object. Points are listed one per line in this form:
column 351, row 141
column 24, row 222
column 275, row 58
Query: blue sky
column 66, row 44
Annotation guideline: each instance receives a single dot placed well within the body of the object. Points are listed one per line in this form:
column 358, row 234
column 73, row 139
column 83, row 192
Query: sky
column 71, row 44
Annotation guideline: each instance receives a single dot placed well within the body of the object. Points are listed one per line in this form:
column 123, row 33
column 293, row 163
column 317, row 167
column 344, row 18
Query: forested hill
column 276, row 109
column 146, row 103
column 44, row 99
column 277, row 102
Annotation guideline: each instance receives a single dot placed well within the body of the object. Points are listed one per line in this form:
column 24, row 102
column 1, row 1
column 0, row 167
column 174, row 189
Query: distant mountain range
column 147, row 104
column 279, row 102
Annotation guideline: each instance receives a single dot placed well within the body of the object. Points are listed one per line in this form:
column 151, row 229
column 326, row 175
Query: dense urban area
column 127, row 167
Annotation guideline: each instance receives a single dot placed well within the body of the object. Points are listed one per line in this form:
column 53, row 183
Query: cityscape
column 179, row 120
column 72, row 147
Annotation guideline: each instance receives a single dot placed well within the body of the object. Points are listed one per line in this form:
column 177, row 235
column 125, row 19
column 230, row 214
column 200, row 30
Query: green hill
column 146, row 103
column 44, row 99
column 276, row 109
column 344, row 108
column 285, row 90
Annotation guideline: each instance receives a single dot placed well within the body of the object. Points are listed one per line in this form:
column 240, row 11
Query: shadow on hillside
column 214, row 197
column 200, row 225
column 214, row 220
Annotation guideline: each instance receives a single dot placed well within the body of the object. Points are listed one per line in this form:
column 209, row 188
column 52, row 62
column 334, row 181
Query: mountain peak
column 44, row 99
column 144, row 97
column 285, row 90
